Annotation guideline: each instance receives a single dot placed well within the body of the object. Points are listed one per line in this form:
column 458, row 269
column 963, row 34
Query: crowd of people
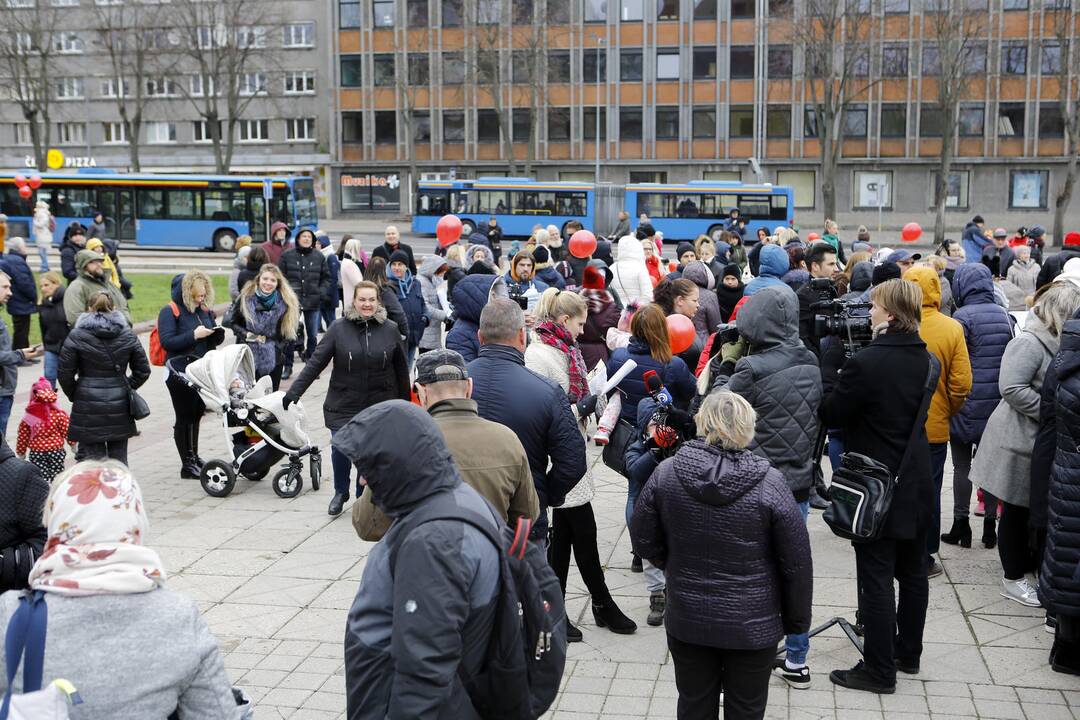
column 720, row 432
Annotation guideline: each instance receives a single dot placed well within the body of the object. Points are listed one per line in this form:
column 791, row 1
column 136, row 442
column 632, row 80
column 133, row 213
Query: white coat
column 629, row 276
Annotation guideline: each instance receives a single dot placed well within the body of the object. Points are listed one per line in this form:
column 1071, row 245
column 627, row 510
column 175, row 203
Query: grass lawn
column 151, row 292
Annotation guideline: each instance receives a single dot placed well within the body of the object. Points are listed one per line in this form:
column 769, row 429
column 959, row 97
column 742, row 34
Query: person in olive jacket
column 94, row 363
column 369, row 367
column 305, row 269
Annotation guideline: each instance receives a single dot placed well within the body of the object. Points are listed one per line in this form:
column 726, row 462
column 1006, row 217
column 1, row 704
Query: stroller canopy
column 212, row 373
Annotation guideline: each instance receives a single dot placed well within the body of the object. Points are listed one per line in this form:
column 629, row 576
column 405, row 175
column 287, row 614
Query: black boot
column 607, row 614
column 989, row 538
column 195, row 445
column 182, row 437
column 960, row 534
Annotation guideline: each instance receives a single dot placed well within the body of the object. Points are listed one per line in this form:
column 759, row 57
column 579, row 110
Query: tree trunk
column 828, row 177
column 941, row 185
column 410, row 153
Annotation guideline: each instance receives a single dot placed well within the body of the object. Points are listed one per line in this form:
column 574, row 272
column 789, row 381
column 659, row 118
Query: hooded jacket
column 22, row 535
column 305, row 269
column 987, row 332
column 177, row 332
column 707, row 318
column 774, row 264
column 675, row 376
column 629, row 276
column 94, row 363
column 973, row 242
column 469, row 297
column 409, row 295
column 781, row 379
column 68, row 251
column 84, row 287
column 489, row 256
column 733, row 546
column 416, row 629
column 369, row 366
column 1053, row 265
column 273, row 249
column 23, row 300
column 593, row 339
column 1024, row 274
column 429, row 290
column 861, row 278
column 945, row 338
column 728, row 297
column 53, row 322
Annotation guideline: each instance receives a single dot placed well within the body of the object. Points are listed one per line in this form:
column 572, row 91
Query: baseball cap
column 897, row 256
column 1001, row 233
column 440, row 366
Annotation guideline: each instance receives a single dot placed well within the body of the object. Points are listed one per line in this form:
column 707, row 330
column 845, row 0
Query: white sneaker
column 1020, row 591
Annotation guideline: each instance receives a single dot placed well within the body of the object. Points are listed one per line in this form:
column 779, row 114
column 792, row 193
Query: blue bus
column 197, row 211
column 518, row 204
column 700, row 207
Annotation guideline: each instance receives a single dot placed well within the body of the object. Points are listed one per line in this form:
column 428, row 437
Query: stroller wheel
column 315, row 469
column 288, row 482
column 217, row 478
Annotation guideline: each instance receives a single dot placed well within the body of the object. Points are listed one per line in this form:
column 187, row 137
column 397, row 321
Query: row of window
column 890, row 121
column 556, row 66
column 293, row 82
column 164, row 132
column 293, row 35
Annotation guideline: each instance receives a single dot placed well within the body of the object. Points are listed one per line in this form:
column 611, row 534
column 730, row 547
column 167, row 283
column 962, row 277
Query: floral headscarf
column 96, row 523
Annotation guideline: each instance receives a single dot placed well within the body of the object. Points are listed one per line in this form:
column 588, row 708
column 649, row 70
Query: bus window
column 281, row 209
column 755, row 207
column 487, row 201
column 220, row 205
column 653, row 204
column 779, row 207
column 686, row 206
column 304, row 199
column 74, row 202
column 151, row 204
column 12, row 205
column 570, row 203
column 432, row 202
column 529, row 202
column 184, row 205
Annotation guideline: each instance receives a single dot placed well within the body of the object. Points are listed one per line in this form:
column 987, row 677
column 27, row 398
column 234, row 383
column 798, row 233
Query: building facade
column 690, row 90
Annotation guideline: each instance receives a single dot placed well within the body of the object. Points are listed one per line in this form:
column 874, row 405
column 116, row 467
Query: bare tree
column 835, row 37
column 1062, row 20
column 28, row 59
column 487, row 70
column 955, row 37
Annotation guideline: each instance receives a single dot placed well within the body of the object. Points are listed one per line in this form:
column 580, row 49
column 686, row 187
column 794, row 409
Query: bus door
column 257, row 217
column 118, row 206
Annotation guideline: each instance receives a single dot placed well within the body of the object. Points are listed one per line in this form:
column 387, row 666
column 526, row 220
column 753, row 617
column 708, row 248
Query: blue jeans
column 5, row 412
column 52, row 364
column 798, row 646
column 43, row 253
column 342, row 469
column 836, row 447
column 328, row 311
column 938, row 452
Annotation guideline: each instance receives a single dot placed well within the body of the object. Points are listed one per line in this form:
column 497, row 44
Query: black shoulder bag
column 137, row 406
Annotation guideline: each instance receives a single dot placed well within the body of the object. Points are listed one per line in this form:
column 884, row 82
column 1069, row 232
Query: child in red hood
column 43, row 430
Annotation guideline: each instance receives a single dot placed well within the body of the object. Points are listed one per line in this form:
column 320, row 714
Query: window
column 873, row 189
column 667, row 64
column 201, row 131
column 152, row 204
column 897, row 7
column 251, row 37
column 855, row 121
column 521, row 64
column 893, row 121
column 487, row 126
column 521, row 122
column 521, row 11
column 453, row 126
column 629, row 124
column 778, row 121
column 667, row 123
column 160, row 133
column 453, row 68
column 595, row 10
column 781, row 8
column 352, row 127
column 223, row 205
column 452, row 13
column 558, row 13
column 385, row 126
column 68, row 88
column 207, row 38
column 1014, row 5
column 200, row 85
column 646, row 176
column 894, row 61
column 383, row 70
column 251, row 84
column 931, row 61
column 704, row 60
column 1014, row 58
column 704, row 9
column 71, row 133
column 742, row 62
column 22, row 133
column 631, row 10
column 416, row 13
column 742, row 9
column 300, row 129
column 1010, row 122
column 64, row 3
column 956, row 189
column 972, row 119
column 630, row 65
column 704, row 121
column 115, row 87
column 1050, row 58
column 931, row 121
column 809, row 122
column 298, row 35
column 351, row 14
column 383, row 12
column 558, row 124
column 352, row 70
column 419, row 69
column 1028, row 188
column 589, row 123
column 741, row 121
column 254, row 130
column 184, row 205
column 667, row 9
column 115, row 133
column 558, row 66
column 975, row 59
column 300, row 82
column 68, row 43
column 166, row 87
column 802, row 184
column 421, row 127
column 780, row 62
column 1051, row 123
column 594, row 65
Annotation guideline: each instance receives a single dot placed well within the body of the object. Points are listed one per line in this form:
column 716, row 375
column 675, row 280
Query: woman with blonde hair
column 265, row 316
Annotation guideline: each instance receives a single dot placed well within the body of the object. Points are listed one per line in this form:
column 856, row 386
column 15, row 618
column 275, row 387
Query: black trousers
column 187, row 405
column 894, row 629
column 20, row 332
column 1013, row 547
column 112, row 449
column 575, row 528
column 702, row 672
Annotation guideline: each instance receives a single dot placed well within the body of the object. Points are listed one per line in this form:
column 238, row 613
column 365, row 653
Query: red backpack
column 157, row 353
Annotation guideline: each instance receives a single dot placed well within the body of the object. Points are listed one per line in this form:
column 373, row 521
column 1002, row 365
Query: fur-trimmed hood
column 102, row 325
column 182, row 286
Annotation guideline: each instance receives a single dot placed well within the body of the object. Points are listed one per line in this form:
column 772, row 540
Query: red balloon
column 813, row 237
column 448, row 230
column 911, row 232
column 680, row 332
column 582, row 244
column 34, row 181
column 25, row 192
column 20, row 180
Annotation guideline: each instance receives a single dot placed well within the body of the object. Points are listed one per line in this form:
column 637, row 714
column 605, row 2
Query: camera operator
column 875, row 400
column 821, row 262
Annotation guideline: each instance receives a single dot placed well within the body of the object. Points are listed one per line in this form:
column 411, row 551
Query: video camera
column 849, row 321
column 517, row 296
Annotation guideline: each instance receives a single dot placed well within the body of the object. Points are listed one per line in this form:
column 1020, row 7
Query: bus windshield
column 304, row 196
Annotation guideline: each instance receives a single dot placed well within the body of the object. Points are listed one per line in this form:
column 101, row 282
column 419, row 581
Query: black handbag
column 137, row 405
column 622, row 435
column 862, row 488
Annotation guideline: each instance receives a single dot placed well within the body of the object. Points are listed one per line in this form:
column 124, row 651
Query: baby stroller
column 257, row 428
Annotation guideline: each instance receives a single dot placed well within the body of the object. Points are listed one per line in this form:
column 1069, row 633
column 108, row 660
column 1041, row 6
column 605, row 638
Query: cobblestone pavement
column 275, row 579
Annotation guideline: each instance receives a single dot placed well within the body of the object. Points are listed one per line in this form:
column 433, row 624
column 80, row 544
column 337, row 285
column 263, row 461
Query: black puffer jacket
column 53, row 322
column 1055, row 264
column 22, row 536
column 369, row 366
column 305, row 269
column 93, row 374
column 733, row 546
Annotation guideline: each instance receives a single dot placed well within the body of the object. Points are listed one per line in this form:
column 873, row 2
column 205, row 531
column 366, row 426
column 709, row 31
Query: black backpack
column 526, row 653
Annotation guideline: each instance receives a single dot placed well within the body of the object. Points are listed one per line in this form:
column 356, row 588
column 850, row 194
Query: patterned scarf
column 558, row 337
column 97, row 523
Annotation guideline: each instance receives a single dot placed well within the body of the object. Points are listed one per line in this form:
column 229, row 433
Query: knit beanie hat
column 593, row 279
column 541, row 255
column 399, row 256
column 885, row 271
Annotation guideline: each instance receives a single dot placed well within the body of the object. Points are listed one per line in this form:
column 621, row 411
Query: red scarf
column 40, row 408
column 653, row 265
column 557, row 336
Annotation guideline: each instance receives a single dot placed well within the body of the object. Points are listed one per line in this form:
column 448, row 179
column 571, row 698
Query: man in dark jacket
column 973, row 240
column 332, row 298
column 23, row 302
column 494, row 235
column 391, row 243
column 534, row 407
column 305, row 269
column 74, row 241
column 821, row 262
column 22, row 535
column 469, row 296
column 1055, row 264
column 423, row 614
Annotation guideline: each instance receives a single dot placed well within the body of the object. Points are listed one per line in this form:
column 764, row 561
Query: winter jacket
column 68, row 251
column 1055, row 264
column 973, row 242
column 394, row 311
column 707, row 318
column 795, row 279
column 96, row 230
column 837, row 246
column 94, row 363
column 874, row 401
column 489, row 257
column 861, row 277
column 733, row 547
column 781, row 380
column 945, row 338
column 43, row 236
column 1003, row 464
column 774, row 263
column 469, row 297
column 385, row 251
column 248, row 272
column 675, row 376
column 1045, row 445
column 1024, row 275
column 369, row 366
column 351, row 275
column 275, row 250
column 409, row 659
column 593, row 339
column 550, row 277
column 521, row 287
column 22, row 536
column 629, row 276
column 239, row 265
column 987, row 331
column 133, row 656
column 494, row 235
column 23, row 300
column 305, row 269
column 539, row 413
column 177, row 332
column 84, row 287
column 429, row 290
column 407, row 291
column 269, row 323
column 9, row 363
column 53, row 322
